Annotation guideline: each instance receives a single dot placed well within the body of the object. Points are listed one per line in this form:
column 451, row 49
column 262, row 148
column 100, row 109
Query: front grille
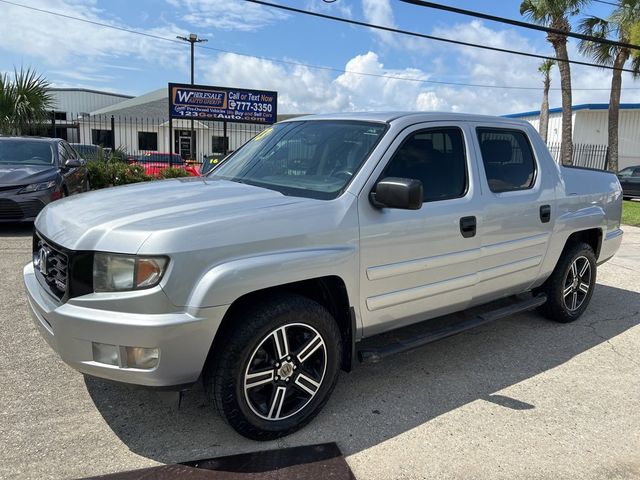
column 12, row 210
column 52, row 266
column 31, row 208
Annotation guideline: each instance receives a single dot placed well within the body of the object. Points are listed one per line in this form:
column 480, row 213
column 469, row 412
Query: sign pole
column 225, row 144
column 171, row 145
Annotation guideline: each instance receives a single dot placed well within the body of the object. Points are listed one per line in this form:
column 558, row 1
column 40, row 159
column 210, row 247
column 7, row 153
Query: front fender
column 225, row 283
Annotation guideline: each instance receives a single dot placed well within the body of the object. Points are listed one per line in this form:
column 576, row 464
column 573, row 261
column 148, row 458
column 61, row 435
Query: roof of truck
column 388, row 117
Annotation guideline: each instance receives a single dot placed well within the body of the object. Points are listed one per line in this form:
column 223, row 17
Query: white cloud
column 227, row 14
column 379, row 12
column 305, row 90
column 61, row 41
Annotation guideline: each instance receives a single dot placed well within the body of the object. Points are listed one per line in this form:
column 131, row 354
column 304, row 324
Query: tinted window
column 508, row 159
column 436, row 158
column 71, row 153
column 26, row 152
column 626, row 172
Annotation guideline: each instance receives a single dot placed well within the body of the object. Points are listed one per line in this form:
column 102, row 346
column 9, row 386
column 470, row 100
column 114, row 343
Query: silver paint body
column 227, row 239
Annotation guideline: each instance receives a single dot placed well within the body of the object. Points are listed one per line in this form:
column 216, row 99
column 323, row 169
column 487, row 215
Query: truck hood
column 121, row 219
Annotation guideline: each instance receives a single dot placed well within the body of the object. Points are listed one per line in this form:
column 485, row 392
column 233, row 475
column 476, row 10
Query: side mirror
column 393, row 192
column 73, row 163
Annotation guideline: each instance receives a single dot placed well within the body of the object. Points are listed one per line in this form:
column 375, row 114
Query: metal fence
column 584, row 155
column 135, row 135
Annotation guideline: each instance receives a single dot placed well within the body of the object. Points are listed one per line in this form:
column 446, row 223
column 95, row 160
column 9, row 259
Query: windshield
column 26, row 152
column 315, row 159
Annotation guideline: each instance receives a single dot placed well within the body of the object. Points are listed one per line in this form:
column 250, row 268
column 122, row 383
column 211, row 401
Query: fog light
column 105, row 353
column 140, row 357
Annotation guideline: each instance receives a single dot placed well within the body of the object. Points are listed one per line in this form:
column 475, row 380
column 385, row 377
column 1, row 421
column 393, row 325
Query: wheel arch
column 329, row 291
column 590, row 236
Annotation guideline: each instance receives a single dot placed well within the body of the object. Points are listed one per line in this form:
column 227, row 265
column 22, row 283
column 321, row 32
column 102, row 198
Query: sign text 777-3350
column 222, row 103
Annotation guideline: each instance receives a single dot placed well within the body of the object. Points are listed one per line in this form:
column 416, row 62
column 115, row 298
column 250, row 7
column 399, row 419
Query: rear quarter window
column 507, row 158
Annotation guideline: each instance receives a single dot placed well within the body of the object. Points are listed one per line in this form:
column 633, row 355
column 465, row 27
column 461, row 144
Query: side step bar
column 372, row 355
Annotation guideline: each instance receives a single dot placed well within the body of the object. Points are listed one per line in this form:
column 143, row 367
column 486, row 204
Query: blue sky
column 76, row 54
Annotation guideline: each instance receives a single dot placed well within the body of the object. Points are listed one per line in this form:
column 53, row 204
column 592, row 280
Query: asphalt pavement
column 519, row 398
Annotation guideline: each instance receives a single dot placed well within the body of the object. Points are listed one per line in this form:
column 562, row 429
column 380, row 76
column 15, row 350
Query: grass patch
column 631, row 213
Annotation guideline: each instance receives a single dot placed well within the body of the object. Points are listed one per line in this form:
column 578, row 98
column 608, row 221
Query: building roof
column 582, row 106
column 150, row 105
column 88, row 90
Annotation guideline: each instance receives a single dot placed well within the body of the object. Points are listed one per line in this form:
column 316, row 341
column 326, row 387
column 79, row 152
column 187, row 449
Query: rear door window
column 508, row 159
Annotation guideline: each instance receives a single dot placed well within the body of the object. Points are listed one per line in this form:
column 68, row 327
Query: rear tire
column 275, row 366
column 570, row 286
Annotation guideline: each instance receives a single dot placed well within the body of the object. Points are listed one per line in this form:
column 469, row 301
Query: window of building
column 508, row 159
column 436, row 157
column 100, row 137
column 147, row 141
column 219, row 144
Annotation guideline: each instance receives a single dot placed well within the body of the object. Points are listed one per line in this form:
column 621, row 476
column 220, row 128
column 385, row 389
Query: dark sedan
column 36, row 171
column 630, row 181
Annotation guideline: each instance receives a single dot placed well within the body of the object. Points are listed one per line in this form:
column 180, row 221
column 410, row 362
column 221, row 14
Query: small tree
column 545, row 69
column 25, row 100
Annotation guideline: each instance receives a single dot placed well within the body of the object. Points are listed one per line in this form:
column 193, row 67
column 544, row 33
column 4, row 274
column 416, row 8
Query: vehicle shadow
column 16, row 229
column 376, row 402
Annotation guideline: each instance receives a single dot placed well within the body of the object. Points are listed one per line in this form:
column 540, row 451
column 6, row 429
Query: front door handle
column 545, row 213
column 468, row 227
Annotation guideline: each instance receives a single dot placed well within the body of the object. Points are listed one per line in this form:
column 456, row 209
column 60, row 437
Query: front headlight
column 37, row 187
column 115, row 272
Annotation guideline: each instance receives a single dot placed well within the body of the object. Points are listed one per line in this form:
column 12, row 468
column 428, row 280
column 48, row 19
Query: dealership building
column 590, row 122
column 138, row 124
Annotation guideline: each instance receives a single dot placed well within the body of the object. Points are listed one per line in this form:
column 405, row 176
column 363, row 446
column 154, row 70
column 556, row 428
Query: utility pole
column 192, row 39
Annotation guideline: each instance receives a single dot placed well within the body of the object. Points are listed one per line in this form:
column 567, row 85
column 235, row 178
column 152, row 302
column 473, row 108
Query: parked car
column 268, row 276
column 630, row 181
column 90, row 152
column 35, row 172
column 156, row 162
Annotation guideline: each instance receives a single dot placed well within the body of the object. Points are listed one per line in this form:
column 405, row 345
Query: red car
column 156, row 162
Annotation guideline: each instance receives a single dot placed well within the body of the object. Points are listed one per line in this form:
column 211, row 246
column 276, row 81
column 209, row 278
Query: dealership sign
column 221, row 103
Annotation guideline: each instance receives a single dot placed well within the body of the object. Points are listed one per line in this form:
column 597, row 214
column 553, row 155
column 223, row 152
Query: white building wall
column 591, row 127
column 126, row 134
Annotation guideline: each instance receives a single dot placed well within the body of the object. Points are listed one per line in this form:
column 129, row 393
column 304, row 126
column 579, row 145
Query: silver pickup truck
column 264, row 278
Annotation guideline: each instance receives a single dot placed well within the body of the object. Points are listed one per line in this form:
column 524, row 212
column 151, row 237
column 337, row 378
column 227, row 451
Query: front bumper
column 16, row 207
column 183, row 338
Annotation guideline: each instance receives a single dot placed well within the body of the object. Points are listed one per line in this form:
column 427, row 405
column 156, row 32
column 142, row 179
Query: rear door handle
column 545, row 213
column 468, row 227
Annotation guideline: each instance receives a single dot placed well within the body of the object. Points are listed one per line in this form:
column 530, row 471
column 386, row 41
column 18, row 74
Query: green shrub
column 106, row 174
column 173, row 172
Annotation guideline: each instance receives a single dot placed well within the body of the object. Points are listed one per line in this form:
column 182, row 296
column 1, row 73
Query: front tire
column 570, row 286
column 275, row 367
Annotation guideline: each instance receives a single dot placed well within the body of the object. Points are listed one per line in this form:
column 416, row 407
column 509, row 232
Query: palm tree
column 545, row 69
column 555, row 14
column 620, row 24
column 25, row 101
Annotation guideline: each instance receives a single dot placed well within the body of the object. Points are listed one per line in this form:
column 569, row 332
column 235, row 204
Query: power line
column 300, row 64
column 518, row 23
column 432, row 37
